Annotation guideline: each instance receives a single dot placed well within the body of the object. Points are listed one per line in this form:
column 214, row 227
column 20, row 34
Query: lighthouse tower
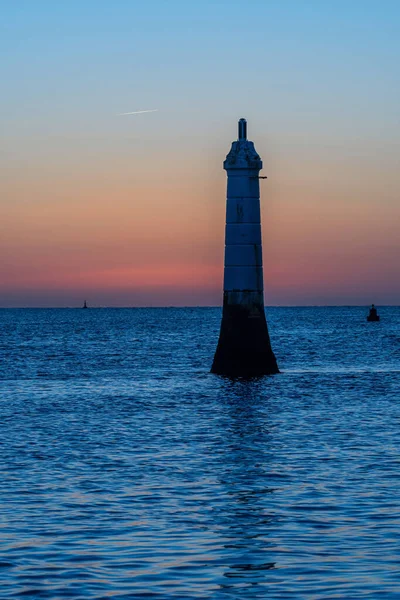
column 244, row 348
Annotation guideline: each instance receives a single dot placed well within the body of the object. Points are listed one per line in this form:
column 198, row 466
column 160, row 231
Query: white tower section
column 243, row 253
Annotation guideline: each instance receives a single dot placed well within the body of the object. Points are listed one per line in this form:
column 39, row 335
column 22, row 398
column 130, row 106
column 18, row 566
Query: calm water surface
column 129, row 471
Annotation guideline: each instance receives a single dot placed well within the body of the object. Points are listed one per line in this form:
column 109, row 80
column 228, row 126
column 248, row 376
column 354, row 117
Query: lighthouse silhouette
column 244, row 347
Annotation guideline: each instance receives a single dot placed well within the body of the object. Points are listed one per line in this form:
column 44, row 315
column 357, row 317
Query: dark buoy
column 373, row 314
column 84, row 305
column 244, row 348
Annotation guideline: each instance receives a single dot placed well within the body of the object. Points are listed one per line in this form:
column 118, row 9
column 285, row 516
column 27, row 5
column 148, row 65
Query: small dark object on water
column 373, row 315
column 84, row 305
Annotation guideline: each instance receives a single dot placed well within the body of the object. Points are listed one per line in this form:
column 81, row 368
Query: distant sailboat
column 84, row 305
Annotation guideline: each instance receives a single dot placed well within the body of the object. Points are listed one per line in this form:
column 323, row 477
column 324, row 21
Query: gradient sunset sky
column 130, row 210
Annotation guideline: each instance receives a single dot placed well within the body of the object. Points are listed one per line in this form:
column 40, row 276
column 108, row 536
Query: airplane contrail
column 137, row 112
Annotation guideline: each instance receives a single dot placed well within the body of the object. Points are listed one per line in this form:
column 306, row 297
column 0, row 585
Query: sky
column 130, row 210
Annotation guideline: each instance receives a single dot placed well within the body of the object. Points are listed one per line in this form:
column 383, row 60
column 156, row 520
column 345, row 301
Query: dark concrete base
column 244, row 348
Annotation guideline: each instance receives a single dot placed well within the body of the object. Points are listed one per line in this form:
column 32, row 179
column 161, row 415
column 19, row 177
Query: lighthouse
column 244, row 348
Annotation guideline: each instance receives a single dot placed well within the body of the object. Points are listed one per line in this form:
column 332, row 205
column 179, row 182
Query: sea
column 128, row 470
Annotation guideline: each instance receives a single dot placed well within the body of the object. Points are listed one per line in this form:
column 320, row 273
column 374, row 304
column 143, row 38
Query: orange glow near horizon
column 167, row 242
column 126, row 236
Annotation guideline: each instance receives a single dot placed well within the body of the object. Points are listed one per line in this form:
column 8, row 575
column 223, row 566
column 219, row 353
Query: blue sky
column 318, row 82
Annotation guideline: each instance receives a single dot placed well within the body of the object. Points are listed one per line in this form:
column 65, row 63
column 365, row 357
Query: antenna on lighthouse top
column 242, row 129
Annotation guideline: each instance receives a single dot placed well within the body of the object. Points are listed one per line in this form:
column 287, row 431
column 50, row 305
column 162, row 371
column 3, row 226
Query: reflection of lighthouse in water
column 244, row 348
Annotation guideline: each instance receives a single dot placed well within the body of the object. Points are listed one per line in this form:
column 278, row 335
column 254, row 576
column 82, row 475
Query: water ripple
column 129, row 471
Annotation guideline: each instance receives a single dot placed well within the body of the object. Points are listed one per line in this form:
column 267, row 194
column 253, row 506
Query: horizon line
column 196, row 306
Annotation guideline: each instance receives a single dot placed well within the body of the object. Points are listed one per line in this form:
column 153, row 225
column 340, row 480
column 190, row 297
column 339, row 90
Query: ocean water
column 129, row 471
